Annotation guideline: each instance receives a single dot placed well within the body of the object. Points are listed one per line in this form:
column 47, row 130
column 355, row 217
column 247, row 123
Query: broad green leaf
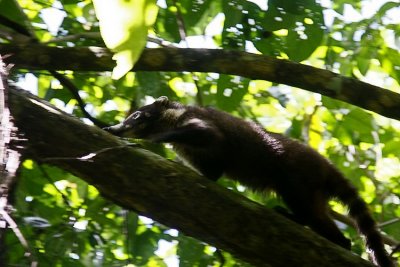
column 390, row 61
column 124, row 25
column 359, row 124
column 197, row 14
column 363, row 65
column 143, row 246
column 153, row 84
column 190, row 252
column 276, row 18
column 301, row 43
column 230, row 91
column 297, row 29
column 11, row 10
column 296, row 7
column 166, row 25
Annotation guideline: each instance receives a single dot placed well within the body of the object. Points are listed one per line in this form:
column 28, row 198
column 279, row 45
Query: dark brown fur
column 217, row 143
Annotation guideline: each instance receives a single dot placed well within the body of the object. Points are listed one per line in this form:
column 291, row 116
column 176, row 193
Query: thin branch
column 67, row 83
column 14, row 226
column 159, row 41
column 74, row 37
column 51, row 182
column 183, row 34
column 180, row 22
column 392, row 221
column 349, row 221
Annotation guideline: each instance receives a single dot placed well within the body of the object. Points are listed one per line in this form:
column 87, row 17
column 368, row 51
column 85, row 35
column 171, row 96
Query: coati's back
column 215, row 142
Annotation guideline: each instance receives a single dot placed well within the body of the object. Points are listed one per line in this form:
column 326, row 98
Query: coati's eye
column 135, row 115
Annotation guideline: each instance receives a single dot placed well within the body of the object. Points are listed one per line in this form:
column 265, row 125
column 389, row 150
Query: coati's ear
column 162, row 100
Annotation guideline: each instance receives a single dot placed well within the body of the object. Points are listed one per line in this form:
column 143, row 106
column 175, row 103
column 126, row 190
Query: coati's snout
column 117, row 129
column 143, row 122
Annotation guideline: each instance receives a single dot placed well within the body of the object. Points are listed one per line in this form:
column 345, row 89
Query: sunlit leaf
column 124, row 25
column 231, row 91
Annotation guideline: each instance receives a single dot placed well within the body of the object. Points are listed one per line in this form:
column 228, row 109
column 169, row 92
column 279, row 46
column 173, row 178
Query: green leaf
column 12, row 11
column 296, row 7
column 233, row 37
column 392, row 147
column 301, row 43
column 197, row 14
column 304, row 24
column 363, row 65
column 154, row 84
column 276, row 19
column 390, row 61
column 230, row 91
column 124, row 25
column 166, row 25
column 359, row 124
column 143, row 246
column 191, row 252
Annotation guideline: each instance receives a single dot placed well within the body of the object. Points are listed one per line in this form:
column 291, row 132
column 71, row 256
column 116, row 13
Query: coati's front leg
column 201, row 141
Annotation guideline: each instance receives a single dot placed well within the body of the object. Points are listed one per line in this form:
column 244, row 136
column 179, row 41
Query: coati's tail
column 345, row 192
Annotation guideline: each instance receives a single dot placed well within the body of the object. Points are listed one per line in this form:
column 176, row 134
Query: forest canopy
column 326, row 73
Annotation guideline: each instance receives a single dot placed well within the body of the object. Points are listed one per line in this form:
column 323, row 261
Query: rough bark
column 168, row 192
column 370, row 97
column 9, row 163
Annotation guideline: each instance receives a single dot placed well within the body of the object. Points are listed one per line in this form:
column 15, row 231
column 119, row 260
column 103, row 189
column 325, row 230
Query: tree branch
column 169, row 192
column 370, row 97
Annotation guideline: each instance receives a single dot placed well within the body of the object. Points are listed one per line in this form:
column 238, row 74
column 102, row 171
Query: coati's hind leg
column 326, row 227
column 313, row 211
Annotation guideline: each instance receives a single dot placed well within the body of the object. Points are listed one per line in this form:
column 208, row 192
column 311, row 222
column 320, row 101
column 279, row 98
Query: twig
column 48, row 178
column 160, row 41
column 183, row 35
column 392, row 221
column 12, row 224
column 75, row 92
column 346, row 220
column 73, row 37
column 89, row 156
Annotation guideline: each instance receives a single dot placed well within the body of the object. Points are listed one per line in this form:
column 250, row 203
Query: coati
column 217, row 143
